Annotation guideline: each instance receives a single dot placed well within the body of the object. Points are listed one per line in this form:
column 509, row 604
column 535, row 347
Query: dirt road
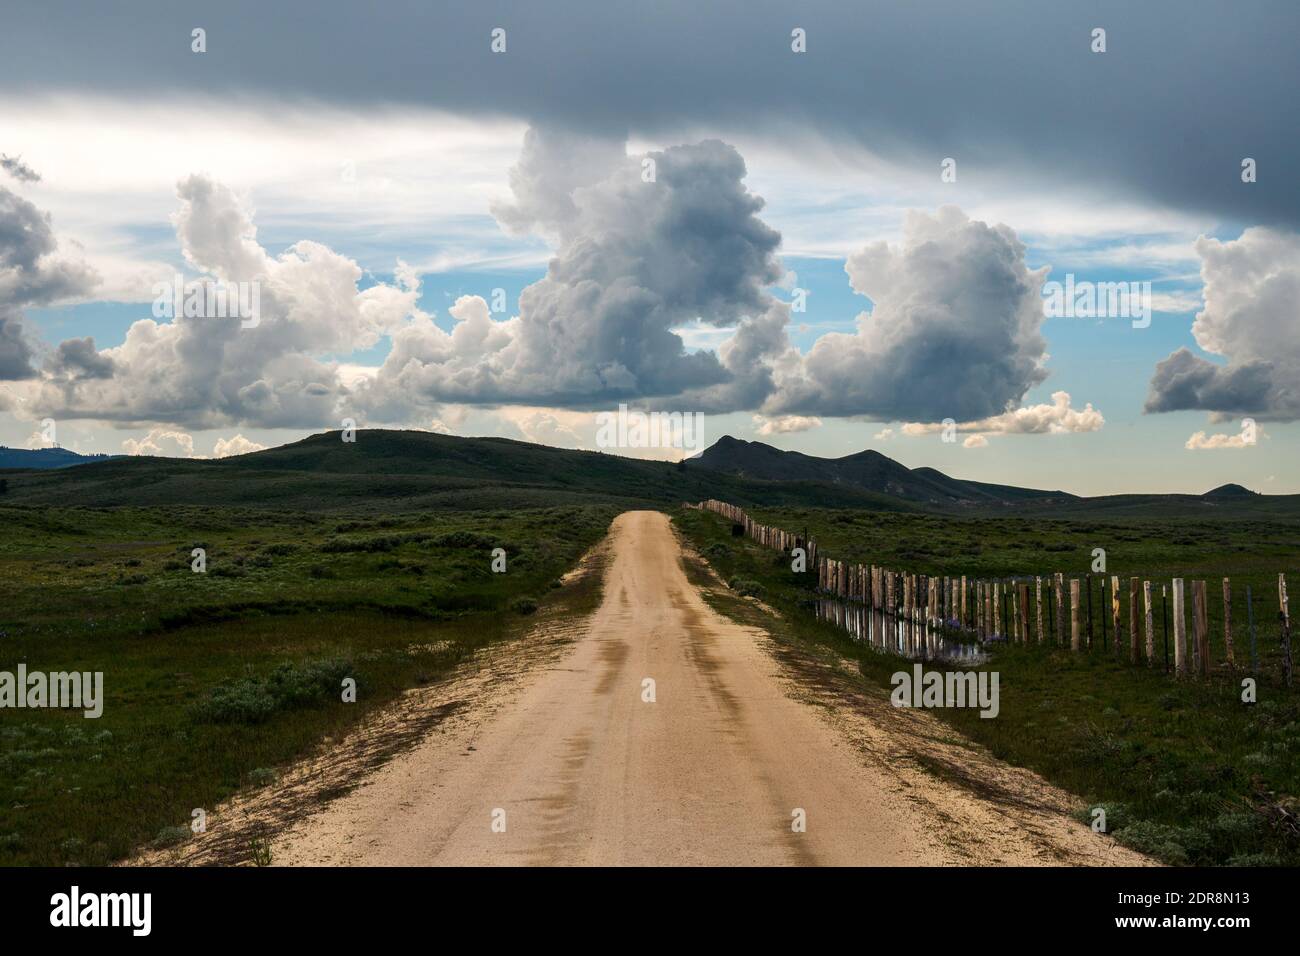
column 570, row 761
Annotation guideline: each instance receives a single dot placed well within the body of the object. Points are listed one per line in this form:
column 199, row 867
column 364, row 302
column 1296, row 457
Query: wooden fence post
column 1087, row 584
column 1151, row 624
column 1227, row 624
column 1284, row 615
column 1013, row 608
column 1060, row 609
column 1103, row 612
column 1024, row 611
column 1114, row 613
column 1164, row 621
column 1180, row 630
column 1133, row 630
column 1038, row 588
column 1201, row 628
column 1075, row 635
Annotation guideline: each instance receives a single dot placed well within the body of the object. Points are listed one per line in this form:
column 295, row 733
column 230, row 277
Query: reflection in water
column 918, row 640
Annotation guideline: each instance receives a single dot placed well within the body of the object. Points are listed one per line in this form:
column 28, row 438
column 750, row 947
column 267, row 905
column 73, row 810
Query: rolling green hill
column 385, row 471
column 408, row 470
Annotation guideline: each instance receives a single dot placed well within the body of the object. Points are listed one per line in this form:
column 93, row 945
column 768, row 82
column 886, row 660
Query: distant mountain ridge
column 869, row 470
column 46, row 458
column 385, row 470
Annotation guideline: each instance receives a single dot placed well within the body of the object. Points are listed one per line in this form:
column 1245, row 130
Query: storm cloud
column 1252, row 287
column 1020, row 86
column 644, row 245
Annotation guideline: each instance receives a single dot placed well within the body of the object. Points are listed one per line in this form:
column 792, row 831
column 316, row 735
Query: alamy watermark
column 75, row 908
column 209, row 299
column 633, row 429
column 36, row 689
column 1098, row 300
column 946, row 689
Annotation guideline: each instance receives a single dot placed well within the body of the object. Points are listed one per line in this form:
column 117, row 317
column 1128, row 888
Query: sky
column 828, row 229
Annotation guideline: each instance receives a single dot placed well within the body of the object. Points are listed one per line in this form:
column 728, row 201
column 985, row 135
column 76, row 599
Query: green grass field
column 1185, row 770
column 212, row 680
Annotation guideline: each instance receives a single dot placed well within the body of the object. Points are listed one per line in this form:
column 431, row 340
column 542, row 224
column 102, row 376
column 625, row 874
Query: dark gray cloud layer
column 1183, row 93
column 1186, row 382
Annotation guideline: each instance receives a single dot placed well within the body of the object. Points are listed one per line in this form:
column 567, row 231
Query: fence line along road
column 999, row 609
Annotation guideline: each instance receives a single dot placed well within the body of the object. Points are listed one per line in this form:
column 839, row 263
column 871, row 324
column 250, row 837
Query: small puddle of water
column 894, row 635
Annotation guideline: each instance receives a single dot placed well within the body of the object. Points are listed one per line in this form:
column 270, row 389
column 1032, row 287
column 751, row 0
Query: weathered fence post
column 1060, row 609
column 1038, row 589
column 1151, row 624
column 1201, row 628
column 1284, row 615
column 1133, row 631
column 981, row 609
column 1114, row 613
column 1164, row 619
column 1103, row 612
column 1024, row 613
column 1051, row 611
column 1013, row 608
column 1180, row 630
column 1087, row 583
column 990, row 624
column 1227, row 624
column 1008, row 612
column 1075, row 636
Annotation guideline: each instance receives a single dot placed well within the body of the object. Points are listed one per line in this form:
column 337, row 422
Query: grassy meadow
column 1185, row 771
column 212, row 680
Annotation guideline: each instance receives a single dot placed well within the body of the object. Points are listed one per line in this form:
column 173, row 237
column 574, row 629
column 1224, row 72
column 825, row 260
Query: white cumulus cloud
column 1252, row 285
column 235, row 445
column 785, row 424
column 1058, row 417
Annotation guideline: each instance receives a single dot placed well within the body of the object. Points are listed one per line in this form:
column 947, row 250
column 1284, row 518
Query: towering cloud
column 646, row 244
column 205, row 372
column 953, row 331
column 643, row 245
column 1252, row 287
